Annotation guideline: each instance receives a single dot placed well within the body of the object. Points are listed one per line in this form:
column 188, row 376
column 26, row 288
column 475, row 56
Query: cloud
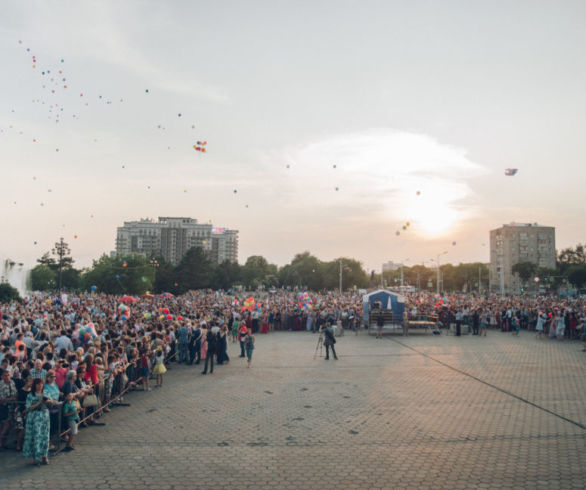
column 383, row 174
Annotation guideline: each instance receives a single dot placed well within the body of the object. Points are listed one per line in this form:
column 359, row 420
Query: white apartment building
column 172, row 237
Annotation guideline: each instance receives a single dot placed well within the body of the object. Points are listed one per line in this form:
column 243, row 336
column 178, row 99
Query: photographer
column 329, row 341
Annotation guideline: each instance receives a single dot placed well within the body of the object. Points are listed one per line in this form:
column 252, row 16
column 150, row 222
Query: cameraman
column 329, row 341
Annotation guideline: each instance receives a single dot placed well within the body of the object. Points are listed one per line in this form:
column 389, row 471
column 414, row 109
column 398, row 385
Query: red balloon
column 179, row 318
column 169, row 317
column 166, row 311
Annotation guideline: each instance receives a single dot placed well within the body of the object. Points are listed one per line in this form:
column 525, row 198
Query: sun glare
column 431, row 213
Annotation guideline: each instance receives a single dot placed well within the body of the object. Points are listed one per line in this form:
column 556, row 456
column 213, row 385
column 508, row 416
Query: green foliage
column 109, row 275
column 194, row 271
column 8, row 293
column 43, row 278
column 572, row 256
column 577, row 275
column 525, row 270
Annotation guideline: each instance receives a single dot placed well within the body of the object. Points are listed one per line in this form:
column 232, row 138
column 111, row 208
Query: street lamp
column 438, row 270
column 61, row 250
column 342, row 268
column 406, row 260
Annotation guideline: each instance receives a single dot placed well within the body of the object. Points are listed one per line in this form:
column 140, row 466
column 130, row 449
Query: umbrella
column 167, row 295
column 147, row 295
column 128, row 299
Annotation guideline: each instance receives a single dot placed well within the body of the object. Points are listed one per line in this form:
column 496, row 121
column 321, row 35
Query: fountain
column 15, row 274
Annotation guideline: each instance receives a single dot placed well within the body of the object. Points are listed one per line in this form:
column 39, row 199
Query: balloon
column 124, row 265
column 124, row 317
column 166, row 311
column 453, row 243
column 179, row 115
column 146, row 91
column 93, row 288
column 397, row 233
column 117, row 277
column 169, row 317
column 235, row 191
column 510, row 172
column 179, row 318
column 147, row 315
column 176, row 284
column 337, row 188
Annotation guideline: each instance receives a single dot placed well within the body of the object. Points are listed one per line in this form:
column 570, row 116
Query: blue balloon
column 117, row 277
column 94, row 288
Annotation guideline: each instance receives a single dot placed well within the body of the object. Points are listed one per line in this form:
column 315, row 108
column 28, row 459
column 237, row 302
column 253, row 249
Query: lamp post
column 406, row 260
column 438, row 270
column 348, row 269
column 61, row 249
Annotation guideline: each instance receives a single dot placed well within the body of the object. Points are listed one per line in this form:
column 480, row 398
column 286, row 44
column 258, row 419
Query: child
column 70, row 412
column 160, row 368
column 144, row 365
column 234, row 330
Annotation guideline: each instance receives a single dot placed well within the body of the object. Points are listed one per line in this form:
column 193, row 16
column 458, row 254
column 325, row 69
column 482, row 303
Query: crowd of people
column 67, row 360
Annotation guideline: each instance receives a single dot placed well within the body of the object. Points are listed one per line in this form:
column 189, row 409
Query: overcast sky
column 336, row 123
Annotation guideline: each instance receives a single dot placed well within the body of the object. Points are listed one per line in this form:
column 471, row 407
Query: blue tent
column 387, row 299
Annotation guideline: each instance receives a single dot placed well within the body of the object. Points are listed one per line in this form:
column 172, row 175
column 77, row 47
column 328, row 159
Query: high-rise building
column 519, row 242
column 391, row 266
column 173, row 237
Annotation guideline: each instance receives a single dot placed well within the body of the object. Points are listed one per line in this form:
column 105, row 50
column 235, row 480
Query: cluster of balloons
column 87, row 333
column 305, row 302
column 251, row 305
column 200, row 146
column 124, row 311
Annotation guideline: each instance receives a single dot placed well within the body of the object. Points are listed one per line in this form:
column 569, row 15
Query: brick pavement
column 416, row 412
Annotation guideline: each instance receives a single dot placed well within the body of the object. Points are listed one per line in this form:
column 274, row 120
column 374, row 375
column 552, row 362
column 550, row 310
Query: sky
column 378, row 130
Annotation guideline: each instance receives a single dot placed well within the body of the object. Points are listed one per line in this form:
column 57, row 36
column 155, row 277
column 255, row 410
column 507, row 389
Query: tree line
column 137, row 274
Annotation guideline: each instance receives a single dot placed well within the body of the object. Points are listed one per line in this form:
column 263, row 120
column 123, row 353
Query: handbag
column 90, row 401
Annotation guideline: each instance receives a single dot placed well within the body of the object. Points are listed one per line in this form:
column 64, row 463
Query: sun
column 432, row 213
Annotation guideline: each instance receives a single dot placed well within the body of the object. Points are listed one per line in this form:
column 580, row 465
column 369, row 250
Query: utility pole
column 479, row 279
column 438, row 271
column 61, row 250
column 340, row 276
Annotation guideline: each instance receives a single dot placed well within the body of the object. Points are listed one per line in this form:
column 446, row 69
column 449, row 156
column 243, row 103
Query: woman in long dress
column 36, row 436
column 222, row 349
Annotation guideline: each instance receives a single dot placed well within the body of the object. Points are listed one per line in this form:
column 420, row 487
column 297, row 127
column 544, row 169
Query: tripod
column 320, row 345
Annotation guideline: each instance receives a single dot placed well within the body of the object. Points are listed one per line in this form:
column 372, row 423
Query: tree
column 572, row 256
column 226, row 275
column 194, row 271
column 525, row 271
column 8, row 293
column 43, row 278
column 122, row 274
column 577, row 275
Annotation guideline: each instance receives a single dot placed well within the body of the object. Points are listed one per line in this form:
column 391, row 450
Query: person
column 211, row 340
column 405, row 323
column 241, row 335
column 475, row 322
column 459, row 317
column 380, row 322
column 71, row 414
column 183, row 338
column 7, row 396
column 51, row 391
column 144, row 368
column 223, row 345
column 36, row 436
column 249, row 346
column 234, row 330
column 195, row 346
column 483, row 324
column 329, row 341
column 159, row 369
column 560, row 326
column 539, row 326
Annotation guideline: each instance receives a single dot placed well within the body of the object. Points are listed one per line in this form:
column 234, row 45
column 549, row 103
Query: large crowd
column 65, row 361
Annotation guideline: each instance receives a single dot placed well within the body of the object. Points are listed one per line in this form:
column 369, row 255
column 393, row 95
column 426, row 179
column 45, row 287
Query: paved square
column 416, row 412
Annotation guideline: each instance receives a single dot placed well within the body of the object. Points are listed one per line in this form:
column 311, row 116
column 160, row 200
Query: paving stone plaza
column 421, row 411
